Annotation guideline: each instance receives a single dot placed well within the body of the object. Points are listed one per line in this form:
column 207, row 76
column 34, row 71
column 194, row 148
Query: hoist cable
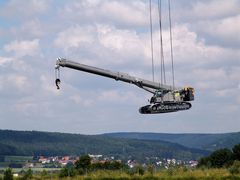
column 163, row 76
column 57, row 77
column 151, row 32
column 57, row 73
column 170, row 33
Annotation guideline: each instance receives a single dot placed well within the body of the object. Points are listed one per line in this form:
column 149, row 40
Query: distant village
column 61, row 161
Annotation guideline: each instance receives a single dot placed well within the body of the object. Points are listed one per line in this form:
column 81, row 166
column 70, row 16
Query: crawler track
column 165, row 107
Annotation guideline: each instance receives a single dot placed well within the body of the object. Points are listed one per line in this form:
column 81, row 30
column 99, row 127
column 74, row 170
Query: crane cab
column 188, row 94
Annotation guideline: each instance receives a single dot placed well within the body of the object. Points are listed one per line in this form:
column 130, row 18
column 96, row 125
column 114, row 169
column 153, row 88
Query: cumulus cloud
column 211, row 79
column 122, row 42
column 226, row 30
column 85, row 102
column 215, row 20
column 115, row 96
column 15, row 83
column 216, row 8
column 133, row 13
column 25, row 8
column 23, row 48
column 75, row 36
column 34, row 27
column 4, row 60
column 25, row 108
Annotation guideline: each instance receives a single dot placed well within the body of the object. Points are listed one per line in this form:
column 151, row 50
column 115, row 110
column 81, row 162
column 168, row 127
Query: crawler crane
column 165, row 98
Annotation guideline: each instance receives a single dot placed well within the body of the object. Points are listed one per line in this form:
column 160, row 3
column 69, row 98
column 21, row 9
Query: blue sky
column 115, row 35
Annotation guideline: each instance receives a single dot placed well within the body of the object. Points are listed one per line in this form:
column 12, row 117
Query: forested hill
column 51, row 144
column 209, row 142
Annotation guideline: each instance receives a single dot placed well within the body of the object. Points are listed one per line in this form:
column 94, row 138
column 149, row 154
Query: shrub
column 150, row 169
column 140, row 170
column 136, row 170
column 8, row 175
column 170, row 171
column 68, row 172
column 44, row 174
column 236, row 152
column 27, row 174
column 235, row 168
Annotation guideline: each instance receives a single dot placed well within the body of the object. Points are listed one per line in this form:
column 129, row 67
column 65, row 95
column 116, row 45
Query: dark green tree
column 63, row 172
column 27, row 174
column 235, row 168
column 68, row 172
column 84, row 163
column 220, row 157
column 236, row 152
column 8, row 175
column 204, row 162
column 112, row 165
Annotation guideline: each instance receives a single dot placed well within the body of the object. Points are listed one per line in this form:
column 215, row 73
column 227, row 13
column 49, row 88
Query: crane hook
column 57, row 75
column 57, row 82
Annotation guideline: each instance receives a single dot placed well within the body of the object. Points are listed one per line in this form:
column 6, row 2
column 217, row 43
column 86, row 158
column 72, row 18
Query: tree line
column 84, row 165
column 221, row 158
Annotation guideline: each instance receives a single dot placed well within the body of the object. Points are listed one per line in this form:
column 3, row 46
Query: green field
column 18, row 158
column 7, row 161
column 173, row 173
column 163, row 174
column 35, row 170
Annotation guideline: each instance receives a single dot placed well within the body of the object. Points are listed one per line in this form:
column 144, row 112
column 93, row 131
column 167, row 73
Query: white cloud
column 74, row 37
column 213, row 74
column 216, row 80
column 226, row 30
column 4, row 60
column 115, row 96
column 216, row 8
column 34, row 27
column 133, row 13
column 85, row 102
column 15, row 83
column 225, row 92
column 26, row 108
column 24, row 8
column 20, row 81
column 110, row 96
column 188, row 48
column 23, row 48
column 130, row 13
column 121, row 41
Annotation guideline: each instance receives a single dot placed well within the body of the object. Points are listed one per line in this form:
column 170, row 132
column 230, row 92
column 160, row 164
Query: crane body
column 165, row 98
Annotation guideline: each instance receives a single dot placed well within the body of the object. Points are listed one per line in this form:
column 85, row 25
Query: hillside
column 209, row 142
column 50, row 144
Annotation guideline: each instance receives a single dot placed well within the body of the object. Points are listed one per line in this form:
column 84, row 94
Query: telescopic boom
column 142, row 83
